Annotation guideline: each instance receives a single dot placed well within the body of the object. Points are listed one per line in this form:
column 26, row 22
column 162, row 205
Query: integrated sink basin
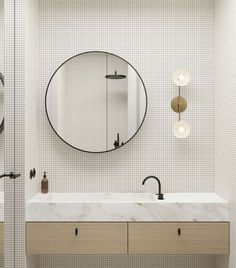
column 126, row 207
column 93, row 197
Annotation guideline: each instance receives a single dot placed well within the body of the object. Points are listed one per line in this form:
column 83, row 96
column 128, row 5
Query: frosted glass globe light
column 181, row 129
column 181, row 77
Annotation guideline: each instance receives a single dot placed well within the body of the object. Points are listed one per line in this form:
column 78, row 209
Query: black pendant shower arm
column 115, row 76
column 11, row 175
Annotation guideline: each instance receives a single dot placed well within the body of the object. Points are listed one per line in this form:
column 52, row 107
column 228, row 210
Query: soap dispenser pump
column 44, row 184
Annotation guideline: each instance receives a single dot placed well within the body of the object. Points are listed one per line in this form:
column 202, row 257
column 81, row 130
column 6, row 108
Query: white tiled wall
column 73, row 261
column 31, row 93
column 14, row 210
column 2, row 71
column 226, row 113
column 156, row 37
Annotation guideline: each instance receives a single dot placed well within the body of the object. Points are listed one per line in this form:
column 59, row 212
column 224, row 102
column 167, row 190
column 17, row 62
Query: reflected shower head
column 115, row 76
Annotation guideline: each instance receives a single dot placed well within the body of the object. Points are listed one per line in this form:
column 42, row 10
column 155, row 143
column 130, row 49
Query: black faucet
column 160, row 195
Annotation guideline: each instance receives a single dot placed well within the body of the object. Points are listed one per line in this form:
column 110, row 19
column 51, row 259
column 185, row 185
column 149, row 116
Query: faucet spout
column 160, row 195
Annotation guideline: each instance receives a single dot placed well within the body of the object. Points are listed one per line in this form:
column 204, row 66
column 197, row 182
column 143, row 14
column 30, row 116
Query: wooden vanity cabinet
column 76, row 238
column 179, row 238
column 128, row 238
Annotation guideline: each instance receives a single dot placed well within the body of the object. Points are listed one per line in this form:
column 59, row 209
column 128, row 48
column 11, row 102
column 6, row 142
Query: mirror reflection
column 96, row 102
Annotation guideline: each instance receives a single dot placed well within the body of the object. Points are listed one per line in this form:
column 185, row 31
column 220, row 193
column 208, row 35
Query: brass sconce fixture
column 181, row 129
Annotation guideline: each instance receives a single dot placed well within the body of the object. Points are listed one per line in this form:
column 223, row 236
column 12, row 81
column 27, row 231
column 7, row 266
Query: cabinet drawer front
column 76, row 238
column 178, row 238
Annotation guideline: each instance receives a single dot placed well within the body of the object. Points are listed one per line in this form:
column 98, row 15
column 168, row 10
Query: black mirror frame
column 2, row 123
column 45, row 101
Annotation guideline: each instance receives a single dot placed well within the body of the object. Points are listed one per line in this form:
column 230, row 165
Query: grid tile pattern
column 156, row 37
column 2, row 71
column 121, row 261
column 9, row 133
column 14, row 134
column 31, row 90
column 9, row 137
column 2, row 134
column 225, row 113
column 18, row 145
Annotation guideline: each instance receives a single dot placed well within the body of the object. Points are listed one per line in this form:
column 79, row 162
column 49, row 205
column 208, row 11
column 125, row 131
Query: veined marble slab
column 1, row 206
column 126, row 207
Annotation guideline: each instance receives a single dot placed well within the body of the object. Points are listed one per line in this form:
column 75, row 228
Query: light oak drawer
column 178, row 238
column 1, row 238
column 76, row 238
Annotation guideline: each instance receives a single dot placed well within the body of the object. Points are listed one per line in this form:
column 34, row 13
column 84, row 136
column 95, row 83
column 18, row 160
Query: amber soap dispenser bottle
column 44, row 184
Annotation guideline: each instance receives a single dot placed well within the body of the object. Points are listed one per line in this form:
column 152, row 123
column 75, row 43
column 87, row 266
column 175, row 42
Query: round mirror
column 96, row 102
column 1, row 102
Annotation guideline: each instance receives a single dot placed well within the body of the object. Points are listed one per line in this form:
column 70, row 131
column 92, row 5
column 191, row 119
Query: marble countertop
column 125, row 197
column 126, row 207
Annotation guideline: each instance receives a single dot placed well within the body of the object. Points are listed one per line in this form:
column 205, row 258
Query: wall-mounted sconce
column 181, row 129
column 181, row 77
